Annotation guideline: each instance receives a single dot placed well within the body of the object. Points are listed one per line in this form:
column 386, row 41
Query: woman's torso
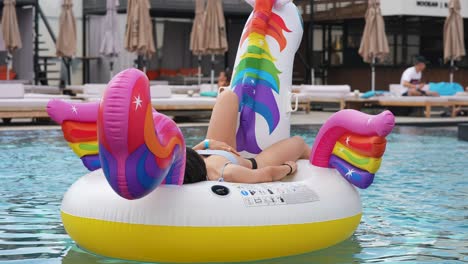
column 216, row 161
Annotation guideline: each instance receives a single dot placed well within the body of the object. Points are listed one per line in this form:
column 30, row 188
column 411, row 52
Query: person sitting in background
column 223, row 79
column 411, row 79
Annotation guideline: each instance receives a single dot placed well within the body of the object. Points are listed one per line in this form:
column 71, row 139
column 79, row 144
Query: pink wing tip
column 385, row 123
column 55, row 109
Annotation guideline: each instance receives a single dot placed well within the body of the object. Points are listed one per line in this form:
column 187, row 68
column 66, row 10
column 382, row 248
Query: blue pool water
column 416, row 211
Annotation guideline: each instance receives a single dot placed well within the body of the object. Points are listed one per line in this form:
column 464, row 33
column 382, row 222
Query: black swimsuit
column 254, row 163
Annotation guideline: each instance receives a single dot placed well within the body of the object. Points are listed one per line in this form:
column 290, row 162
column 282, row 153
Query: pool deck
column 315, row 118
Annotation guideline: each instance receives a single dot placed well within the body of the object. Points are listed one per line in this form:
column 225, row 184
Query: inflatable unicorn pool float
column 134, row 206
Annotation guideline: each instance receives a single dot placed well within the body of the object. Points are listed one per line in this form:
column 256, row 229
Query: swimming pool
column 416, row 210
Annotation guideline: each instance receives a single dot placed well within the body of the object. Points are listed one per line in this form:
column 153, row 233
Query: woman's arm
column 199, row 146
column 239, row 174
column 214, row 144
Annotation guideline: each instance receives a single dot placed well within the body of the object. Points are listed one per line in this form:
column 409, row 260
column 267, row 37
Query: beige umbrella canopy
column 215, row 41
column 10, row 29
column 374, row 42
column 196, row 36
column 139, row 30
column 66, row 41
column 454, row 42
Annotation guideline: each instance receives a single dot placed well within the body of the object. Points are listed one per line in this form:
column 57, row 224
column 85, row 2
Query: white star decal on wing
column 348, row 139
column 74, row 109
column 350, row 173
column 137, row 102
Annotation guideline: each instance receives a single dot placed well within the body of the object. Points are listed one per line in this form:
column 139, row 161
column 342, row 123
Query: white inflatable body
column 315, row 208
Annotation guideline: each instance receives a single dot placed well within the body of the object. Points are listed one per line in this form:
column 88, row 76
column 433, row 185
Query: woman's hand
column 219, row 145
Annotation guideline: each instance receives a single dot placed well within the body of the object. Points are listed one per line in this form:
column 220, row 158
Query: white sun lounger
column 183, row 102
column 323, row 94
column 427, row 102
column 415, row 101
column 14, row 103
column 458, row 101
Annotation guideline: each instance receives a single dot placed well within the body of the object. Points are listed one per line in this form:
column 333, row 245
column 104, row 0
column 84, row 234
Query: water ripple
column 416, row 211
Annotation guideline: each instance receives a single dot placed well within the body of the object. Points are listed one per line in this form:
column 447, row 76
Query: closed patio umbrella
column 196, row 36
column 214, row 36
column 10, row 29
column 374, row 42
column 110, row 44
column 139, row 30
column 66, row 41
column 454, row 42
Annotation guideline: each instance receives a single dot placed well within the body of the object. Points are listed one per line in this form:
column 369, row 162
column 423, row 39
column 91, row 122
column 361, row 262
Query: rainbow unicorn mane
column 257, row 77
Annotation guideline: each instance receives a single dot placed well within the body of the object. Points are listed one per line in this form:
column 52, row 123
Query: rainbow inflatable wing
column 353, row 143
column 78, row 121
column 137, row 147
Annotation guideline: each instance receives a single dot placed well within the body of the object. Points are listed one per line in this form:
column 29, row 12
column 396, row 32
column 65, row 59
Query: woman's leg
column 223, row 122
column 288, row 149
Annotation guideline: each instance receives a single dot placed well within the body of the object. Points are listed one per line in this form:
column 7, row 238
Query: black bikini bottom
column 254, row 163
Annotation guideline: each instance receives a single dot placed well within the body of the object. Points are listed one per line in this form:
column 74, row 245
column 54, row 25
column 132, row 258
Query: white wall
column 434, row 8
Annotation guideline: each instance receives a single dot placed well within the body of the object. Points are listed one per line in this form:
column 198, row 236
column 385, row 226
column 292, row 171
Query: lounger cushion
column 326, row 89
column 184, row 100
column 11, row 90
column 42, row 89
column 25, row 104
column 416, row 99
column 94, row 88
column 183, row 89
column 45, row 96
column 160, row 91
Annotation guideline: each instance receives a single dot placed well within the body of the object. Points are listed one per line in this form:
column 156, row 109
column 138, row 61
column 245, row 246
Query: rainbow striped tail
column 79, row 127
column 353, row 143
